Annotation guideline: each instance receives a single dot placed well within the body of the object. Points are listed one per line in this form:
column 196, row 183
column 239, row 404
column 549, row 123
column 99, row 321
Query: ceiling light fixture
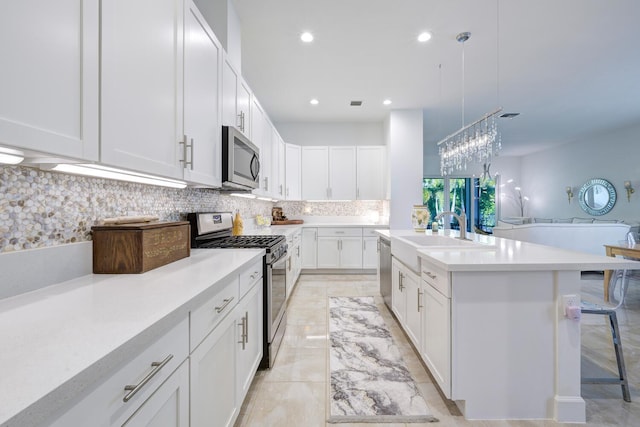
column 99, row 171
column 424, row 37
column 314, row 102
column 387, row 102
column 306, row 37
column 9, row 156
column 475, row 142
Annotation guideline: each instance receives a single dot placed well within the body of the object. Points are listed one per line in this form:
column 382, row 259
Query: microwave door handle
column 255, row 165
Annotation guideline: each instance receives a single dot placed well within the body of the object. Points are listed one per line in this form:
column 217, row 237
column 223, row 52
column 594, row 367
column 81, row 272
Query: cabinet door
column 229, row 94
column 414, row 307
column 436, row 349
column 213, row 378
column 142, row 63
column 369, row 252
column 49, row 76
column 282, row 165
column 202, row 106
column 309, row 248
column 249, row 340
column 168, row 406
column 351, row 252
column 243, row 107
column 315, row 173
column 398, row 292
column 371, row 172
column 342, row 173
column 328, row 252
column 292, row 174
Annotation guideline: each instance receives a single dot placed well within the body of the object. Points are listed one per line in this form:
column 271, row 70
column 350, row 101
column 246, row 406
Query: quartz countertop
column 61, row 339
column 489, row 253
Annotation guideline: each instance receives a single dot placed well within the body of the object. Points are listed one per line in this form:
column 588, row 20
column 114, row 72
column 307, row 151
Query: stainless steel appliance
column 213, row 230
column 240, row 160
column 384, row 270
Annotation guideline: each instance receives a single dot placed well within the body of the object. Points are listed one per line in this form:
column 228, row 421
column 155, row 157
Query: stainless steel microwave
column 240, row 160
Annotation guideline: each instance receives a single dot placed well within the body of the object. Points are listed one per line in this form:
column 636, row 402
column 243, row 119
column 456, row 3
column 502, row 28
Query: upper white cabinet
column 315, row 173
column 49, row 76
column 202, row 101
column 292, row 173
column 142, row 91
column 236, row 100
column 343, row 173
column 278, row 165
column 371, row 172
column 161, row 111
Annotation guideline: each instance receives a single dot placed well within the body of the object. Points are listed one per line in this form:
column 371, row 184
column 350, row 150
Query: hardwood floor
column 294, row 393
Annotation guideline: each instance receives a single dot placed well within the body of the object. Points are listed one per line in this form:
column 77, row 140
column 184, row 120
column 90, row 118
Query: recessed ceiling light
column 306, row 37
column 387, row 102
column 314, row 101
column 424, row 37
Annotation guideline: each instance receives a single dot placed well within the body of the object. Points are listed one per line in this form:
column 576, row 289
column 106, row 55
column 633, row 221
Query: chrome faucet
column 462, row 220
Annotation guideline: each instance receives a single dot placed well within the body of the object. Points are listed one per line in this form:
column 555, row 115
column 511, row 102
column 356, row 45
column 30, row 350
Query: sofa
column 580, row 235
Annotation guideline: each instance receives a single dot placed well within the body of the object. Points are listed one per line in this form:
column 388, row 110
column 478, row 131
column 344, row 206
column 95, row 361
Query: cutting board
column 287, row 222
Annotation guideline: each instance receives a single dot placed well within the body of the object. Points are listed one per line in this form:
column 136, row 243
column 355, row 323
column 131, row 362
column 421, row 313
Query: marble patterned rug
column 369, row 380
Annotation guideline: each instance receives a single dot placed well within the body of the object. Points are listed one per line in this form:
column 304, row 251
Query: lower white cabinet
column 249, row 331
column 414, row 306
column 152, row 389
column 398, row 291
column 436, row 348
column 340, row 247
column 309, row 248
column 369, row 248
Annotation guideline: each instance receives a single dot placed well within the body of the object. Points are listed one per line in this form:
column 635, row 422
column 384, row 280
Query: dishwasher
column 384, row 270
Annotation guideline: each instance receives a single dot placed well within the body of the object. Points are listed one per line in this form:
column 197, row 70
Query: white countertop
column 59, row 340
column 498, row 254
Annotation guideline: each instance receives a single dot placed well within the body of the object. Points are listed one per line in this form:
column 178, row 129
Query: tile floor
column 294, row 393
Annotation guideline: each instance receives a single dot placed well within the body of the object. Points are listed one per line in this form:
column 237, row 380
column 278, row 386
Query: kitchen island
column 487, row 318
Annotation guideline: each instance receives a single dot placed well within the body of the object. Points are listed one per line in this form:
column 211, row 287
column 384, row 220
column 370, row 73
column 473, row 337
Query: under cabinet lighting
column 244, row 195
column 266, row 199
column 100, row 171
column 10, row 157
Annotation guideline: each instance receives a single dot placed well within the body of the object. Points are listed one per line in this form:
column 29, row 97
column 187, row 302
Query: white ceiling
column 570, row 67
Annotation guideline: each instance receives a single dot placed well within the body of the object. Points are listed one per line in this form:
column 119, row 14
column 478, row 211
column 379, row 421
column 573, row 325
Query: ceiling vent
column 356, row 103
column 509, row 115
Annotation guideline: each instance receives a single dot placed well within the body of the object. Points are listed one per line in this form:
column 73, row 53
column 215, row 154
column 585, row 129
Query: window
column 473, row 196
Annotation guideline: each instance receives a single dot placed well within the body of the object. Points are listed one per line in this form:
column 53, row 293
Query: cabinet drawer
column 369, row 232
column 437, row 278
column 208, row 315
column 339, row 232
column 249, row 277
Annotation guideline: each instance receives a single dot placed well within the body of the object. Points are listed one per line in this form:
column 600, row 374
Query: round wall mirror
column 597, row 196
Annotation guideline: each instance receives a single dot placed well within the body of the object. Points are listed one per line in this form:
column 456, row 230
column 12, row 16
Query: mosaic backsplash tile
column 41, row 208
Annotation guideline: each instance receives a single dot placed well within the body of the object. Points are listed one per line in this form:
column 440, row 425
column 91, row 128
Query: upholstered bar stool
column 617, row 291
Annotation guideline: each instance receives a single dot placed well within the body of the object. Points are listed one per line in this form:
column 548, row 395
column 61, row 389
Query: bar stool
column 617, row 292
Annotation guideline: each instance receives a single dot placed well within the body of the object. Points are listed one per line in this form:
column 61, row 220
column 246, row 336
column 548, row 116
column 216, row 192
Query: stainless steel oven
column 277, row 318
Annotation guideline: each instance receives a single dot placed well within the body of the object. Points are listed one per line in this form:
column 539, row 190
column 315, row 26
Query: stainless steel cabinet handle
column 280, row 189
column 225, row 302
column 287, row 192
column 186, row 146
column 358, row 193
column 241, row 124
column 243, row 335
column 364, row 245
column 401, row 285
column 133, row 389
column 430, row 274
column 254, row 275
column 246, row 331
column 419, row 305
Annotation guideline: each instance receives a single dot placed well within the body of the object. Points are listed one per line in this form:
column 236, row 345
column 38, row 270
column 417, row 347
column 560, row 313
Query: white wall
column 405, row 163
column 332, row 133
column 614, row 156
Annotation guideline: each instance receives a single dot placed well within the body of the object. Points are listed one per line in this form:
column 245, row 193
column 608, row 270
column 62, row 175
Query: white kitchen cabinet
column 213, row 377
column 203, row 56
column 147, row 402
column 141, row 108
column 249, row 331
column 342, row 173
column 262, row 136
column 309, row 248
column 49, row 76
column 315, row 173
column 369, row 248
column 414, row 306
column 236, row 99
column 339, row 247
column 296, row 255
column 278, row 165
column 371, row 172
column 293, row 172
column 328, row 173
column 398, row 291
column 436, row 349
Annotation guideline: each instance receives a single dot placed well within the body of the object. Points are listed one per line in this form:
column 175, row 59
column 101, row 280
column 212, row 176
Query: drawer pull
column 226, row 302
column 431, row 275
column 133, row 389
column 419, row 305
column 254, row 275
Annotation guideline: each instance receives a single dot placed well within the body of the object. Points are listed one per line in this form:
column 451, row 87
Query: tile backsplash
column 41, row 208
